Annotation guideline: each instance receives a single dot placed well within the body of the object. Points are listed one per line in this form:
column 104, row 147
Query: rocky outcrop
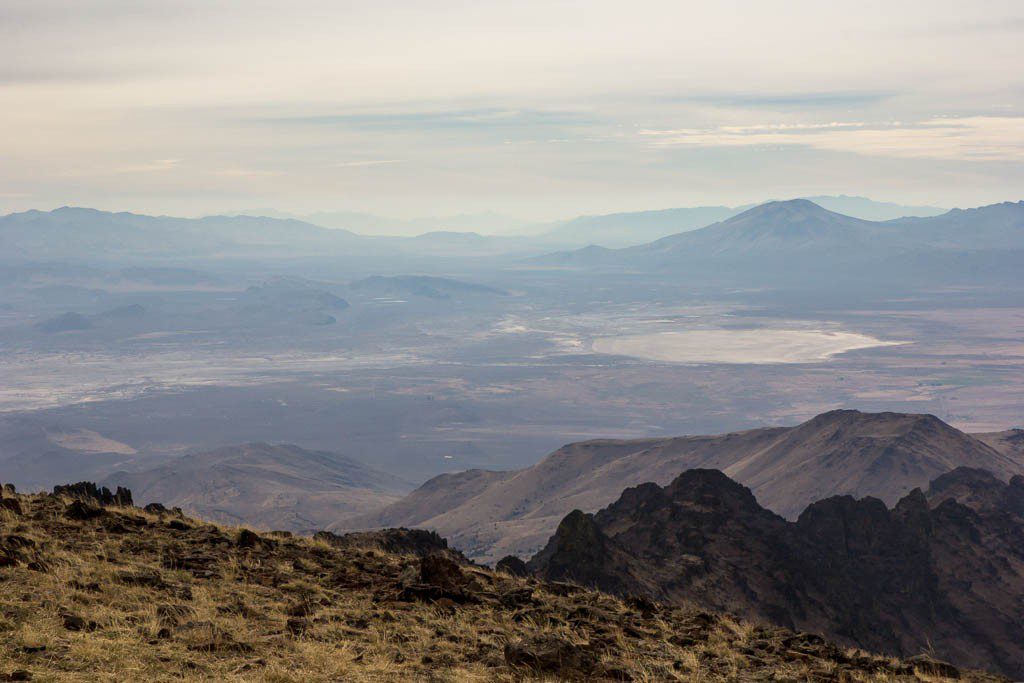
column 941, row 572
column 980, row 491
column 89, row 492
column 418, row 542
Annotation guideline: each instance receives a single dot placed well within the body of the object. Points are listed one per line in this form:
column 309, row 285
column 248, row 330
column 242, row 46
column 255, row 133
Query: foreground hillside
column 112, row 592
column 942, row 570
column 886, row 455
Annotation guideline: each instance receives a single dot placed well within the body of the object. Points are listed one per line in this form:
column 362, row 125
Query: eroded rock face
column 101, row 495
column 980, row 491
column 942, row 570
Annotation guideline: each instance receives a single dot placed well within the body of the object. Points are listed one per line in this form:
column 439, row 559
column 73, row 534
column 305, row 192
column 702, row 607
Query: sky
column 537, row 110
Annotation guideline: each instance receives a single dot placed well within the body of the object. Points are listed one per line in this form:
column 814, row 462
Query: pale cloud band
column 973, row 138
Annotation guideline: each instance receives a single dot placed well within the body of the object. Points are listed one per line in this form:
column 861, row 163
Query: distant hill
column 72, row 233
column 847, row 452
column 796, row 225
column 419, row 286
column 492, row 514
column 264, row 485
column 292, row 300
column 942, row 573
column 35, row 453
column 871, row 210
column 1009, row 442
column 997, row 226
column 619, row 230
column 799, row 242
column 65, row 322
column 636, row 227
column 146, row 243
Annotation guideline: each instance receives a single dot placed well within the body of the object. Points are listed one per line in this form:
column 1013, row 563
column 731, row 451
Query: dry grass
column 151, row 602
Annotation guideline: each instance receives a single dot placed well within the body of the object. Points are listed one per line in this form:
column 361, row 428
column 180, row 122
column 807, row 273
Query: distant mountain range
column 940, row 572
column 799, row 242
column 491, row 514
column 619, row 230
column 82, row 235
column 78, row 234
column 268, row 486
column 612, row 230
column 780, row 245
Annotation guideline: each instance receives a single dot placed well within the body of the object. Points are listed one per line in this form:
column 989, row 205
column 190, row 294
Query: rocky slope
column 492, row 514
column 941, row 572
column 884, row 455
column 267, row 486
column 97, row 590
column 1009, row 442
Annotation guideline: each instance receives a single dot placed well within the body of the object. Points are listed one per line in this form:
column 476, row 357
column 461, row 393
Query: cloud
column 427, row 120
column 977, row 138
column 369, row 162
column 784, row 100
column 20, row 74
column 240, row 172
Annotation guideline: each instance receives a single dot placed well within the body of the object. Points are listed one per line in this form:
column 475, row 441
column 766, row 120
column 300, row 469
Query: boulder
column 510, row 564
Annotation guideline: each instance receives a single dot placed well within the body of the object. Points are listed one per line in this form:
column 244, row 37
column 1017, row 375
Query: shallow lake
column 738, row 346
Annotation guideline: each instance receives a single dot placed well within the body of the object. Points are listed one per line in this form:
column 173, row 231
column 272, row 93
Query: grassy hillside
column 94, row 592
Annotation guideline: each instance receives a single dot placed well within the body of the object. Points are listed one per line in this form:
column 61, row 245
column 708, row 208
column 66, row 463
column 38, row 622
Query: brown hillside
column 116, row 593
column 886, row 455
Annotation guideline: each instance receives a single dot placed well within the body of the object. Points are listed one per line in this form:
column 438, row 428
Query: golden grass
column 300, row 610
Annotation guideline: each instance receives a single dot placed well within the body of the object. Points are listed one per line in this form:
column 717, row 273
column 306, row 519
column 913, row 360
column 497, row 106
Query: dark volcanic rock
column 73, row 622
column 418, row 542
column 438, row 570
column 979, row 490
column 440, row 579
column 247, row 539
column 81, row 510
column 941, row 572
column 510, row 564
column 88, row 491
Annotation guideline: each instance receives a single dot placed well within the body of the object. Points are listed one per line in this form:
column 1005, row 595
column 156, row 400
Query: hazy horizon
column 195, row 108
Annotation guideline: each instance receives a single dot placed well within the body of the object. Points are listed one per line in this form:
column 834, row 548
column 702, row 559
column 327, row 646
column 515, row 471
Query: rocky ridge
column 940, row 572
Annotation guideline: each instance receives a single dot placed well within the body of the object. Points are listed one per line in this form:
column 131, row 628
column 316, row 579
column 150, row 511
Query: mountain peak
column 850, row 568
column 851, row 452
column 789, row 205
column 793, row 211
column 711, row 488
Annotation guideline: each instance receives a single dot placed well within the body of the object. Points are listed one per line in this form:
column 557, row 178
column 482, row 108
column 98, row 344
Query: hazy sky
column 537, row 109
